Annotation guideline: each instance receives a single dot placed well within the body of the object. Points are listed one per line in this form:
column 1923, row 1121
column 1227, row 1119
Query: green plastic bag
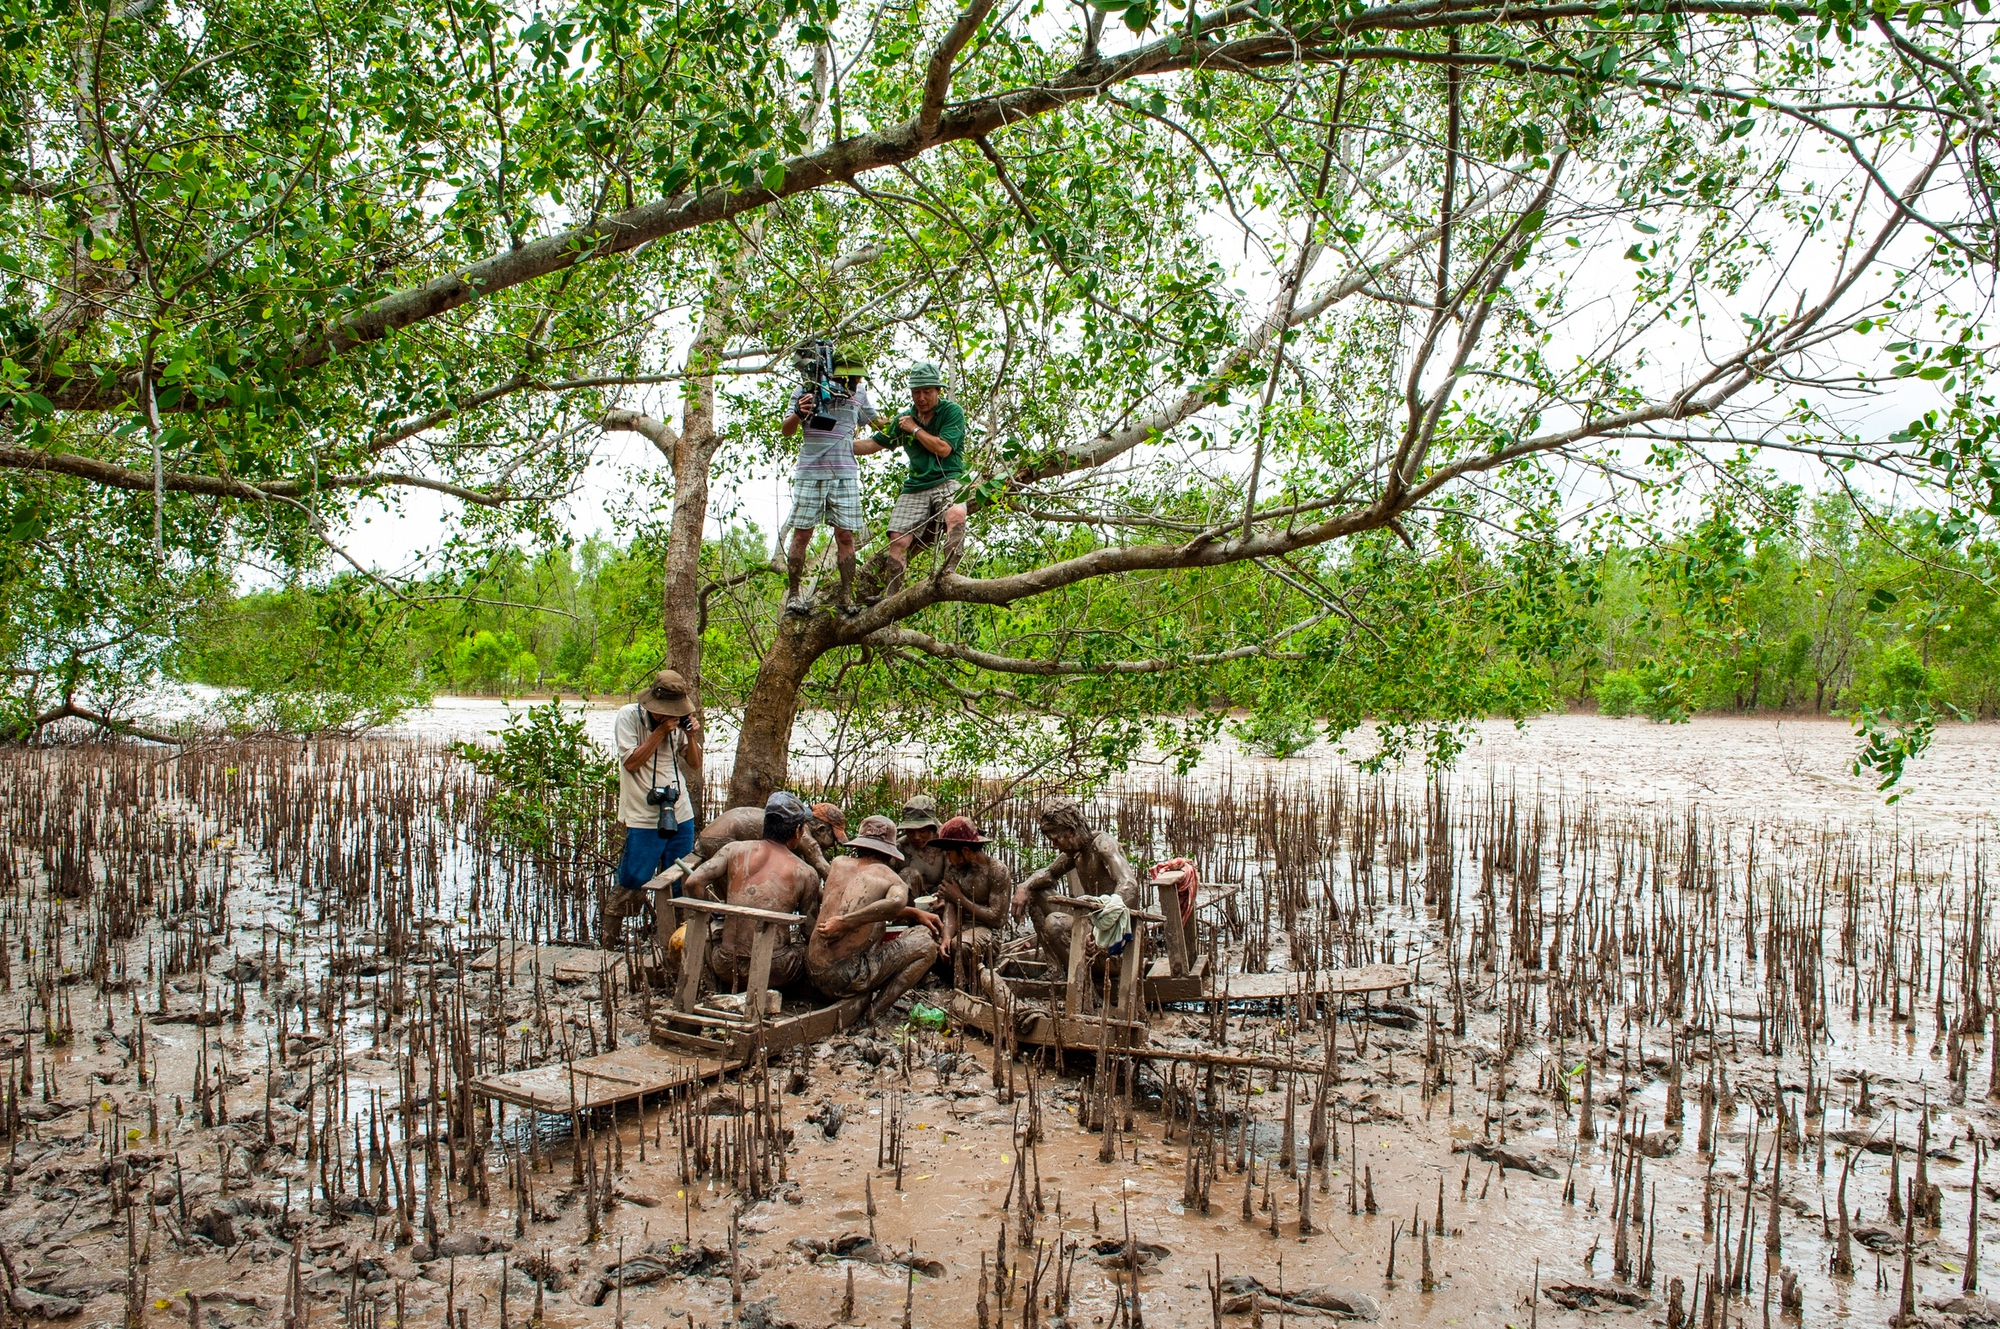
column 925, row 1016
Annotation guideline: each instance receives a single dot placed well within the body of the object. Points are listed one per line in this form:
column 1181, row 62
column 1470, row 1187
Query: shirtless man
column 1100, row 863
column 767, row 873
column 828, row 826
column 974, row 890
column 848, row 957
column 923, row 861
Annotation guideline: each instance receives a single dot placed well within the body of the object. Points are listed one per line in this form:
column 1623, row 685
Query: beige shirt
column 629, row 731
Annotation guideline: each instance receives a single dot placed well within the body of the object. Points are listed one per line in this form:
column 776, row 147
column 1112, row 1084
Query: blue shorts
column 648, row 851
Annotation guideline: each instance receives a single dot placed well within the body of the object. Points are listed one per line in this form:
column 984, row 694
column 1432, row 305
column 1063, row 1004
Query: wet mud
column 239, row 1030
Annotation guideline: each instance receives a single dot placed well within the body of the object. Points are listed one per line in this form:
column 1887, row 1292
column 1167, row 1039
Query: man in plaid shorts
column 932, row 433
column 825, row 487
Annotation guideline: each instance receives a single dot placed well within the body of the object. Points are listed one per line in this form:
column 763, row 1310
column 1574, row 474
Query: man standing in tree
column 975, row 889
column 848, row 956
column 766, row 873
column 1096, row 859
column 932, row 434
column 828, row 827
column 659, row 758
column 825, row 486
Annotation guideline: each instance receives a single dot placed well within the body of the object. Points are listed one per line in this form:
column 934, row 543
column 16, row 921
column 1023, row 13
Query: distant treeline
column 1812, row 608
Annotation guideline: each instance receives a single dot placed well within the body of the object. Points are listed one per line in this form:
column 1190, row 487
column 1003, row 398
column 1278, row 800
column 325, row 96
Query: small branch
column 937, row 79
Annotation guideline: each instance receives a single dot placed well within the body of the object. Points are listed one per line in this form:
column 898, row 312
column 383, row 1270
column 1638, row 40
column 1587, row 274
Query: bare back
column 746, row 824
column 853, row 884
column 760, row 874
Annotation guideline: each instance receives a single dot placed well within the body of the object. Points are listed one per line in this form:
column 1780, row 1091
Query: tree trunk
column 763, row 749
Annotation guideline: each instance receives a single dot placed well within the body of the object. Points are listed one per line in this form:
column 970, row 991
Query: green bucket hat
column 924, row 374
column 849, row 362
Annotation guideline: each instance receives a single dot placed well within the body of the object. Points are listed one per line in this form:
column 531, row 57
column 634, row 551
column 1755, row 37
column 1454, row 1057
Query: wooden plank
column 1128, row 975
column 568, row 964
column 601, row 1081
column 1076, row 993
column 1318, row 982
column 694, row 956
column 1045, row 1030
column 761, row 948
column 736, row 910
column 1088, row 905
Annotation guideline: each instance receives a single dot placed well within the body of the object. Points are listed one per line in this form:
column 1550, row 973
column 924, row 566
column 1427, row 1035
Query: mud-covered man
column 923, row 861
column 828, row 828
column 850, row 956
column 765, row 873
column 1096, row 859
column 974, row 893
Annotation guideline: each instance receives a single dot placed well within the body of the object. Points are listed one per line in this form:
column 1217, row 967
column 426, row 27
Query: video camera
column 813, row 362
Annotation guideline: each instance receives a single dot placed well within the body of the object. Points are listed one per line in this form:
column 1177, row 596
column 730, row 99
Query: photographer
column 659, row 756
column 825, row 486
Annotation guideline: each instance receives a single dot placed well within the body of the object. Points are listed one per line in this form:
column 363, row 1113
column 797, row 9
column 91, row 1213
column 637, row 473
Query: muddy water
column 1499, row 1231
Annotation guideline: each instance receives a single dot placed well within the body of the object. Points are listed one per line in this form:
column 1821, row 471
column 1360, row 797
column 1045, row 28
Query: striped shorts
column 832, row 499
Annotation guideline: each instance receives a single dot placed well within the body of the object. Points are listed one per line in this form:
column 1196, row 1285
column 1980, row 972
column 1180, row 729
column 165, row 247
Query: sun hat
column 924, row 374
column 667, row 694
column 849, row 361
column 878, row 834
column 959, row 833
column 919, row 812
column 831, row 814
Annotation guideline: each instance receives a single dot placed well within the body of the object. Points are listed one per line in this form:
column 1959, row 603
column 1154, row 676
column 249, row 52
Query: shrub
column 1620, row 693
column 1275, row 730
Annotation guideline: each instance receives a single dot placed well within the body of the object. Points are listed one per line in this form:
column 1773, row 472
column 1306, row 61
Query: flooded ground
column 239, row 1032
column 1795, row 768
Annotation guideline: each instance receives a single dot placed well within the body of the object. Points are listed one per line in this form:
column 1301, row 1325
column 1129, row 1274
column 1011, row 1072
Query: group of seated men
column 785, row 857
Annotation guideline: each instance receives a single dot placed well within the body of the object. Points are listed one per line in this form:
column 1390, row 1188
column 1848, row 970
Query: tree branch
column 937, row 78
column 655, row 430
column 114, row 476
column 111, row 386
column 906, row 638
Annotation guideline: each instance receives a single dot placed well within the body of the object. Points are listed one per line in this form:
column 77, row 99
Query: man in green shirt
column 932, row 433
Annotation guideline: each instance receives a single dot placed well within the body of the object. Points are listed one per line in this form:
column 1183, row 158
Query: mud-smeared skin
column 202, row 838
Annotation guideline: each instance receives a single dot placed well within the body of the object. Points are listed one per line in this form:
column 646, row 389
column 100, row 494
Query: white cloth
column 629, row 730
column 1111, row 923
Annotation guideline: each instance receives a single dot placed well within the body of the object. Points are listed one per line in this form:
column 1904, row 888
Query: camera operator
column 659, row 756
column 825, row 487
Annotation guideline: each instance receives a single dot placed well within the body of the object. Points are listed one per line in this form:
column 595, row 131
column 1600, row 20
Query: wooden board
column 1078, row 1033
column 600, row 1081
column 563, row 964
column 1319, row 982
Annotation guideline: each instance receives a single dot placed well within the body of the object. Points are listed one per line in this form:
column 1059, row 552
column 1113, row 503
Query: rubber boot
column 950, row 550
column 847, row 605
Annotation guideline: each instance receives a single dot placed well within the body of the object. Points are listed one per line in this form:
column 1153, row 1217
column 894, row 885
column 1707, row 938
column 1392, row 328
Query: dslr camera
column 663, row 797
column 813, row 363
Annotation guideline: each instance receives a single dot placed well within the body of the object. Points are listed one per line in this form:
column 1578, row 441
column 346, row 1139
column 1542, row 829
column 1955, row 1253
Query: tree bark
column 764, row 747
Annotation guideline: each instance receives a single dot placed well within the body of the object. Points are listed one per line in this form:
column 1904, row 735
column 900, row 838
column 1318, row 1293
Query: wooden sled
column 1063, row 1011
column 731, row 1027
